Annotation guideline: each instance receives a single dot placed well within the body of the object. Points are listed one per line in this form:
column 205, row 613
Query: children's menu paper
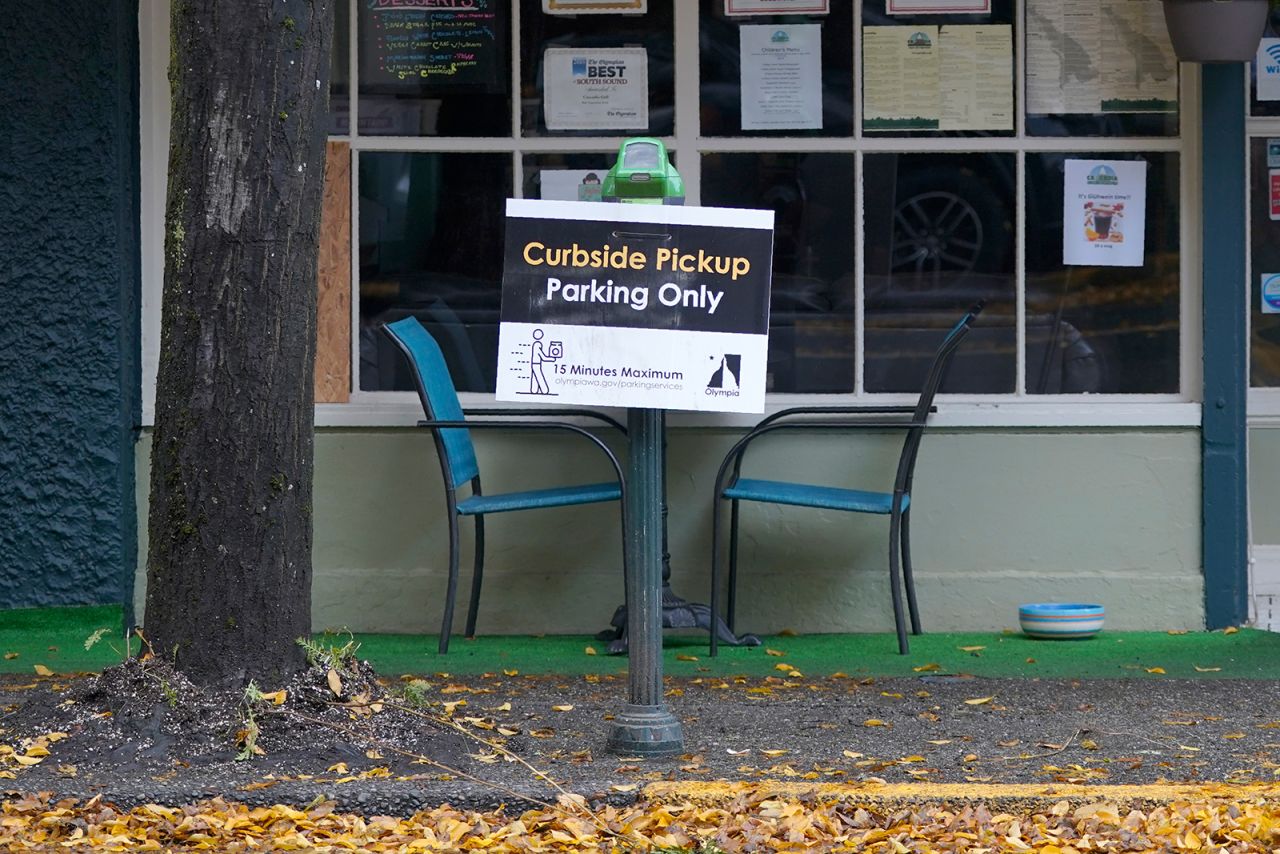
column 1099, row 56
column 938, row 77
column 781, row 76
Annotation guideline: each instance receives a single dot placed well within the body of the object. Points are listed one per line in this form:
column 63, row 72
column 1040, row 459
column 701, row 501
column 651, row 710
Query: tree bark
column 229, row 565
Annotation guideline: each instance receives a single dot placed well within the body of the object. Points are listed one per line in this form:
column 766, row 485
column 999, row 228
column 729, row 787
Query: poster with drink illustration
column 1104, row 213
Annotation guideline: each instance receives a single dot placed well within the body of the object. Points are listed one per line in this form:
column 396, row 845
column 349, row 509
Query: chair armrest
column 851, row 409
column 535, row 425
column 553, row 413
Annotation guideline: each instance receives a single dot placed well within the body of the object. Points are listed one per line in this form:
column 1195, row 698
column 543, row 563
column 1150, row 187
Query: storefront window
column 915, row 162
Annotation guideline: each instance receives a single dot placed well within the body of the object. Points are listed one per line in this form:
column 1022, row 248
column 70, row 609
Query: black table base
column 676, row 614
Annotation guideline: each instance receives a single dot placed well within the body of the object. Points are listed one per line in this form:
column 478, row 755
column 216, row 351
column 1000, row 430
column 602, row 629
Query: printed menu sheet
column 781, row 76
column 1099, row 56
column 938, row 7
column 938, row 78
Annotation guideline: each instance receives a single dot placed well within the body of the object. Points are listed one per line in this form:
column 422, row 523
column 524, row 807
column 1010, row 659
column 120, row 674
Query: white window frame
column 1018, row 409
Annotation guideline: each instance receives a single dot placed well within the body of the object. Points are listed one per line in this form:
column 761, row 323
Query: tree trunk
column 229, row 567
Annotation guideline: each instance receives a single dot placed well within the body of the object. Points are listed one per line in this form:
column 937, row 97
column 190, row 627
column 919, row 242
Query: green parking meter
column 643, row 175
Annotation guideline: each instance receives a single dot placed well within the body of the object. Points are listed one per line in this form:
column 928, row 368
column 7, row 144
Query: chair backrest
column 933, row 380
column 439, row 397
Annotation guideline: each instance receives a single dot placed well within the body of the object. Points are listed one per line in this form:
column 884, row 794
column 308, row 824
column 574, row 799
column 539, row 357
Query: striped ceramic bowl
column 1061, row 619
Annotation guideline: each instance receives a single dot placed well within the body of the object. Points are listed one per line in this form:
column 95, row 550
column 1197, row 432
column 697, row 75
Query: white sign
column 1270, row 283
column 777, row 7
column 781, row 76
column 595, row 7
column 596, row 89
column 1267, row 67
column 663, row 307
column 938, row 7
column 1104, row 213
column 572, row 185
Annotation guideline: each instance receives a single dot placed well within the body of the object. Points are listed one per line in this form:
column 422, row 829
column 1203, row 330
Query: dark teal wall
column 69, row 286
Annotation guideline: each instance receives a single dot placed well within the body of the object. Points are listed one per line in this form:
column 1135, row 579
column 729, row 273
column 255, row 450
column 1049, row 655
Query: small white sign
column 1104, row 213
column 1270, row 283
column 1266, row 65
column 595, row 7
column 596, row 88
column 1273, row 154
column 938, row 7
column 776, row 7
column 781, row 76
column 572, row 185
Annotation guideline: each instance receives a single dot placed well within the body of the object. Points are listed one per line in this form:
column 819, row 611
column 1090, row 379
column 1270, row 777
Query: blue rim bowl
column 1061, row 620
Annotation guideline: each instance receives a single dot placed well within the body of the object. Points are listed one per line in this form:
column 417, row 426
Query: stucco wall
column 69, row 339
column 999, row 517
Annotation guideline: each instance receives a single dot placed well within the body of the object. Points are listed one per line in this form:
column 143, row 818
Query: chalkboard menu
column 434, row 44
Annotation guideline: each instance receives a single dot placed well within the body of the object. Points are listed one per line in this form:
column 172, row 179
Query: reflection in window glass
column 939, row 236
column 653, row 31
column 435, row 71
column 431, row 233
column 1111, row 330
column 811, row 315
column 1264, row 256
column 339, row 71
column 721, row 70
column 568, row 177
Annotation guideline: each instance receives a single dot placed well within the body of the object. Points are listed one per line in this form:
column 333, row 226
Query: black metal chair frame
column 900, row 518
column 451, row 495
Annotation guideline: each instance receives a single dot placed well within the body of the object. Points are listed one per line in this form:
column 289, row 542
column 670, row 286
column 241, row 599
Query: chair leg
column 907, row 579
column 733, row 565
column 446, row 624
column 715, row 573
column 895, row 541
column 478, row 576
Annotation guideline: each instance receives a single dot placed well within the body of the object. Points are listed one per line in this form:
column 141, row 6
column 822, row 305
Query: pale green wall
column 1264, row 484
column 999, row 518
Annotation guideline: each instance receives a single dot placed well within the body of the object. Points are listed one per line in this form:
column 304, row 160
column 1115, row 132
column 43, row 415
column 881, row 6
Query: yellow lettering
column 528, row 258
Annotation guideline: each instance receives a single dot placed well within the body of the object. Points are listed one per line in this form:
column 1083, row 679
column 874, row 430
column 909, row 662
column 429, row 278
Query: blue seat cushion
column 804, row 495
column 562, row 496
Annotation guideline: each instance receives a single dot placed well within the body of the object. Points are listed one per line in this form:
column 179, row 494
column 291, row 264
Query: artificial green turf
column 55, row 638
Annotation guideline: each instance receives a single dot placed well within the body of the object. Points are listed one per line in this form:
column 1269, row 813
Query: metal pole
column 645, row 727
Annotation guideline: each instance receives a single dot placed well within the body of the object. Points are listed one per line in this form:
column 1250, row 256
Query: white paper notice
column 938, row 78
column 781, row 76
column 594, row 7
column 572, row 185
column 1267, row 68
column 1099, row 56
column 596, row 89
column 1104, row 213
column 777, row 7
column 938, row 7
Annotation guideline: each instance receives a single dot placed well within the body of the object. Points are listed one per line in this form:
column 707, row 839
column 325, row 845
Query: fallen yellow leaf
column 335, row 682
column 567, row 707
column 978, row 701
column 682, row 657
column 591, row 650
column 874, row 722
column 1200, row 669
column 1230, row 630
column 10, row 656
column 511, row 673
column 851, row 755
column 777, row 652
column 41, row 670
column 774, row 752
column 1234, row 735
column 784, row 667
column 971, row 648
column 1157, row 670
column 276, row 697
column 624, row 787
column 927, row 668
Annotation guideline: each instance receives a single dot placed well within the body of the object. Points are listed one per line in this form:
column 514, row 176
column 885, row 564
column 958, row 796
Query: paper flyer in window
column 776, row 7
column 595, row 7
column 572, row 185
column 937, row 78
column 1099, row 56
column 1104, row 213
column 781, row 76
column 1270, row 293
column 1266, row 67
column 938, row 7
column 596, row 88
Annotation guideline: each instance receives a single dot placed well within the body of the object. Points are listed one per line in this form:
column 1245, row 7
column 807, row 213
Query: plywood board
column 333, row 303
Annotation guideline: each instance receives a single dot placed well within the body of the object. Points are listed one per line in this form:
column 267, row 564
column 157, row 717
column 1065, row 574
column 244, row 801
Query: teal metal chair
column 732, row 487
column 446, row 419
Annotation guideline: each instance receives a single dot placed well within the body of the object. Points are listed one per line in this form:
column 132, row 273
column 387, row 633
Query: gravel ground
column 174, row 745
